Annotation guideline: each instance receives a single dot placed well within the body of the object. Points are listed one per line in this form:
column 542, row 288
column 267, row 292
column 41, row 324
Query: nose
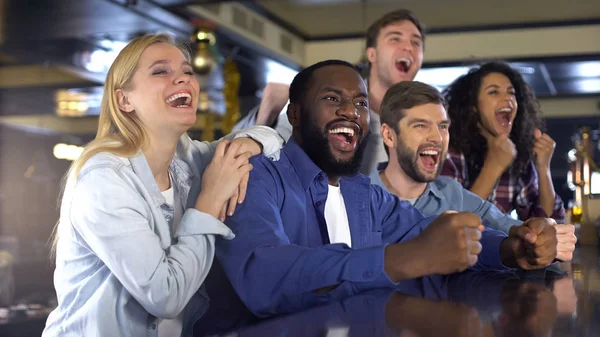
column 507, row 96
column 348, row 110
column 183, row 78
column 434, row 135
column 407, row 46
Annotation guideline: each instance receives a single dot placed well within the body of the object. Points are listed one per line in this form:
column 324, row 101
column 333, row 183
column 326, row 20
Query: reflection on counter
column 562, row 300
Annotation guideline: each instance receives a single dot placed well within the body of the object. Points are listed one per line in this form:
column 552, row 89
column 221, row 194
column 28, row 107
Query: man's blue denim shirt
column 445, row 194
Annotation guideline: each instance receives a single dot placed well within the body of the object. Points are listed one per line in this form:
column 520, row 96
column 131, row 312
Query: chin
column 343, row 157
column 427, row 176
column 503, row 131
column 405, row 77
column 189, row 118
column 185, row 124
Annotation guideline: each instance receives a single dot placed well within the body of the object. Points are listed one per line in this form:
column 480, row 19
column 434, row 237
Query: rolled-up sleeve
column 271, row 141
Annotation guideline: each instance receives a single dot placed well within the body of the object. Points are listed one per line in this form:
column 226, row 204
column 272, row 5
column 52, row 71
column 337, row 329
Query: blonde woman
column 142, row 204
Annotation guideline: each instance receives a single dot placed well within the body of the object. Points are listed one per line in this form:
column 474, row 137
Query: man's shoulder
column 444, row 182
column 262, row 161
column 448, row 186
column 454, row 191
column 263, row 166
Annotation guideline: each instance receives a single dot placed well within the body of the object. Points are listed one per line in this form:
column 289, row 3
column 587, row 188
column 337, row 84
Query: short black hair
column 403, row 96
column 303, row 78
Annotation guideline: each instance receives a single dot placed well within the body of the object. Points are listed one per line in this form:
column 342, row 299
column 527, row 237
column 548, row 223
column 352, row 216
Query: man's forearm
column 281, row 279
column 507, row 255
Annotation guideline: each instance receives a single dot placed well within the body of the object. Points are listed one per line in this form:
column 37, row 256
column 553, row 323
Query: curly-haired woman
column 497, row 149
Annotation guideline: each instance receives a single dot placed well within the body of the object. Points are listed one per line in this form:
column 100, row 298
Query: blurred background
column 54, row 56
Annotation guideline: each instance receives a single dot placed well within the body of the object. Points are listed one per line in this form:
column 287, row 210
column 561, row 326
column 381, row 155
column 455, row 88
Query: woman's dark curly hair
column 461, row 97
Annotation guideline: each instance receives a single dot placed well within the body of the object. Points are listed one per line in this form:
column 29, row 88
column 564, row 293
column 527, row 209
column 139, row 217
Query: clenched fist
column 501, row 151
column 533, row 245
column 451, row 242
column 543, row 149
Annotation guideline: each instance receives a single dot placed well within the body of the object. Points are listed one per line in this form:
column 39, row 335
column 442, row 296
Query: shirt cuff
column 489, row 259
column 270, row 140
column 369, row 268
column 195, row 222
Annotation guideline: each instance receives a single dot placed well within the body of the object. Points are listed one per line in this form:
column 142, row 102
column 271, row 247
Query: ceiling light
column 440, row 77
column 204, row 59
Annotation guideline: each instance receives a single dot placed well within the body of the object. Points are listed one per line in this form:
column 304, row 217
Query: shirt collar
column 305, row 168
column 433, row 188
column 179, row 169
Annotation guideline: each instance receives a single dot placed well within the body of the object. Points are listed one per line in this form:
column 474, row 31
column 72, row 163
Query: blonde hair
column 119, row 133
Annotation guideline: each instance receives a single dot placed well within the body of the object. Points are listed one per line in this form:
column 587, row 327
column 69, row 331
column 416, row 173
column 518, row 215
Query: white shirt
column 177, row 208
column 336, row 217
column 172, row 327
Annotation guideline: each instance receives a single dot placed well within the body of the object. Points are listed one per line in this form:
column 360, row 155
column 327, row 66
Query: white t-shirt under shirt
column 410, row 201
column 177, row 208
column 336, row 217
column 172, row 327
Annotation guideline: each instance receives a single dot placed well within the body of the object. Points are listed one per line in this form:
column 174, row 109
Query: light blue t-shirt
column 444, row 194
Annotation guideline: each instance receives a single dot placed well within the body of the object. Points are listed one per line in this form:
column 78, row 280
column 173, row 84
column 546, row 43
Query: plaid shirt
column 510, row 193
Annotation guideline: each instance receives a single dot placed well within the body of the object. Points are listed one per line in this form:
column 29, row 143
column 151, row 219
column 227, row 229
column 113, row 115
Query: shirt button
column 320, row 177
column 153, row 326
column 367, row 274
column 318, row 203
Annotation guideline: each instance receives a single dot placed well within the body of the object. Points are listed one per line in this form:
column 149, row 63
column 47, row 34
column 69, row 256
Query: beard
column 408, row 161
column 316, row 145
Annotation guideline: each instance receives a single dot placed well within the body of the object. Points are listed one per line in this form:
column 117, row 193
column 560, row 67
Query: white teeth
column 188, row 98
column 406, row 62
column 342, row 130
column 504, row 110
column 430, row 153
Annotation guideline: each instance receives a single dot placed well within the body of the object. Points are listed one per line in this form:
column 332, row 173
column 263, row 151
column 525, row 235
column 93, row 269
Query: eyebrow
column 400, row 33
column 425, row 121
column 497, row 87
column 418, row 120
column 185, row 63
column 339, row 92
